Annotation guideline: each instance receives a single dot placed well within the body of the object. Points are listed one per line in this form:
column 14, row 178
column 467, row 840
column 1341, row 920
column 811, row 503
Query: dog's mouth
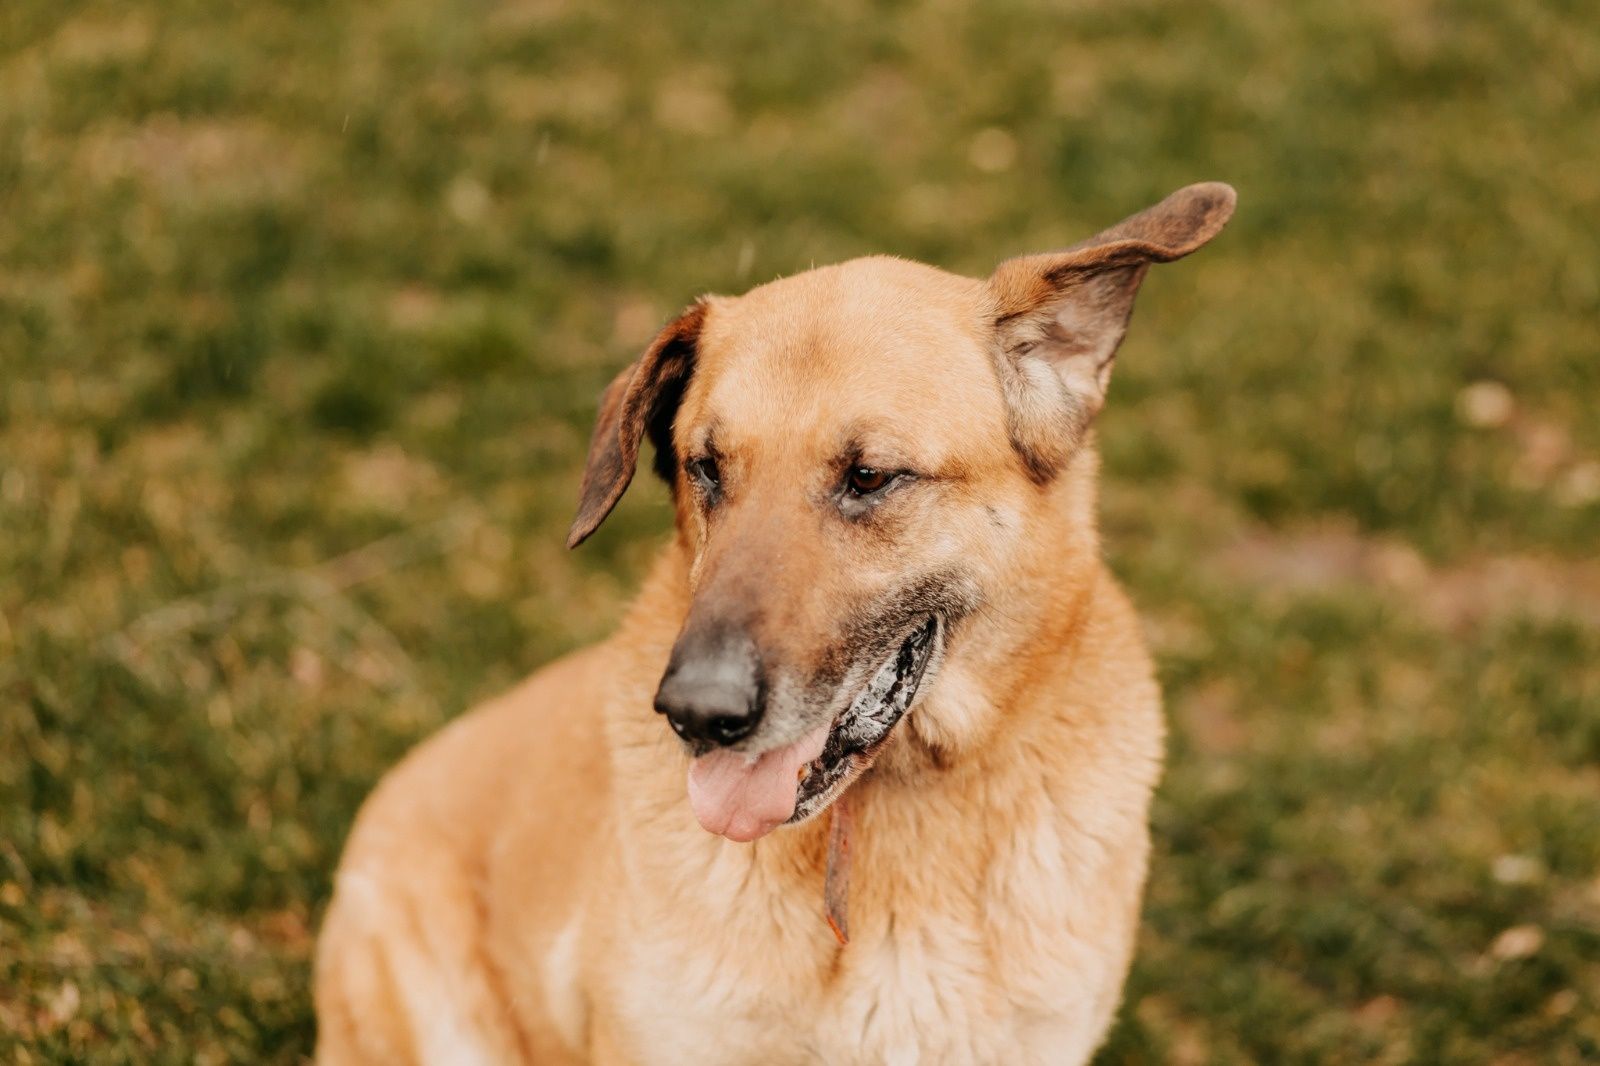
column 856, row 735
column 742, row 798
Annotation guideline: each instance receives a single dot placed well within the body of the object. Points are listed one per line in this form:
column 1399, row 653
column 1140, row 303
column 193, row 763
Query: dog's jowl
column 863, row 776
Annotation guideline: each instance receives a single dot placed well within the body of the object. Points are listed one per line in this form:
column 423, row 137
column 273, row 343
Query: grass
column 303, row 308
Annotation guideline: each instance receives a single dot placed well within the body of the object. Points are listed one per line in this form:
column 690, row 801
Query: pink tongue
column 742, row 799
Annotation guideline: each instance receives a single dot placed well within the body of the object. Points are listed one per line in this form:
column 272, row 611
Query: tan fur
column 530, row 885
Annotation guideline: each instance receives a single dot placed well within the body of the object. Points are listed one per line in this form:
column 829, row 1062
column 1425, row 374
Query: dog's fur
column 530, row 885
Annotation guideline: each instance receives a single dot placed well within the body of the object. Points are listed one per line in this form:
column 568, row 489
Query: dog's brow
column 873, row 447
column 705, row 442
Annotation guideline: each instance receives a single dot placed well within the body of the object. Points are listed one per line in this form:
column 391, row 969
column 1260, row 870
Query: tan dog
column 884, row 605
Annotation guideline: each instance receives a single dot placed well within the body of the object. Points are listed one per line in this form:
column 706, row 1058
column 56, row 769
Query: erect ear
column 1060, row 317
column 642, row 398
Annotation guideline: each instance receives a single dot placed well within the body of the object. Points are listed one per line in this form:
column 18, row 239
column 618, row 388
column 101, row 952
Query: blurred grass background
column 304, row 307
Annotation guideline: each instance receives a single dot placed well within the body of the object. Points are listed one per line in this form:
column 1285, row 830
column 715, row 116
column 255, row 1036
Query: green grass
column 303, row 307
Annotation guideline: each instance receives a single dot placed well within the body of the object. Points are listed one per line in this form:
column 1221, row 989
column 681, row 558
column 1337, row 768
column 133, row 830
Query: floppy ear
column 1060, row 317
column 643, row 398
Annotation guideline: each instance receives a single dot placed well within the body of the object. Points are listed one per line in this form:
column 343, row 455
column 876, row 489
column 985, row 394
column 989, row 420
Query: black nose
column 712, row 692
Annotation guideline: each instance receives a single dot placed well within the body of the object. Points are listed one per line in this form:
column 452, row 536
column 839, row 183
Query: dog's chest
column 943, row 995
column 981, row 975
column 921, row 995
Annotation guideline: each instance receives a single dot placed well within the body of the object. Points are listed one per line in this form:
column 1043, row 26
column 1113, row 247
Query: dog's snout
column 711, row 692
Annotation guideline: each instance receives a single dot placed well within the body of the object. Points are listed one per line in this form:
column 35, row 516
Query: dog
column 864, row 774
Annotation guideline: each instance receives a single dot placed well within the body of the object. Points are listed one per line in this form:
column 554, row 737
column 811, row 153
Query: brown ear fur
column 643, row 397
column 1060, row 317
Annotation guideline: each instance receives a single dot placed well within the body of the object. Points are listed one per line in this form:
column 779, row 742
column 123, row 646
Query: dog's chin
column 862, row 729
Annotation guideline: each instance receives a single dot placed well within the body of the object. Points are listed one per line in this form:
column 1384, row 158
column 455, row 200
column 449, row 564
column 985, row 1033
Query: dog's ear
column 642, row 399
column 1060, row 317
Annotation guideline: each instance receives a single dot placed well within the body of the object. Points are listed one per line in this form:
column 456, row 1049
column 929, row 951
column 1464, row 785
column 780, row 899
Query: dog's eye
column 705, row 473
column 865, row 480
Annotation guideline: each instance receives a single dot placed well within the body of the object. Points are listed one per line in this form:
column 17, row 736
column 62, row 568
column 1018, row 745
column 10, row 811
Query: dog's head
column 864, row 458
